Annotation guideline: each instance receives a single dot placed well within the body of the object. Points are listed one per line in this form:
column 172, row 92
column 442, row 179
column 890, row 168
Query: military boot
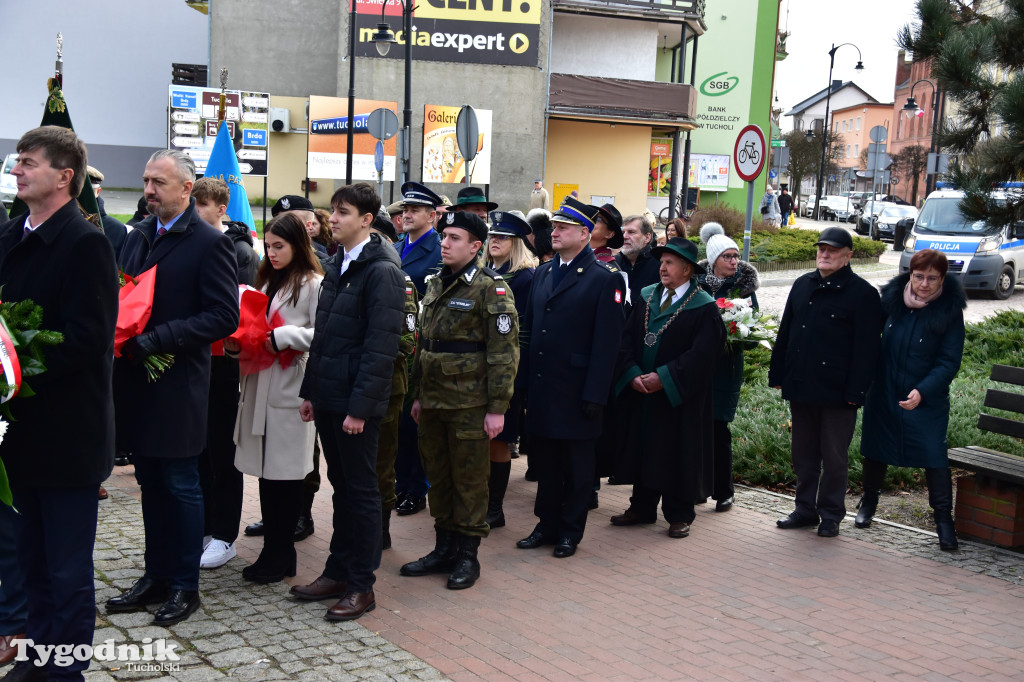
column 467, row 568
column 441, row 560
column 497, row 486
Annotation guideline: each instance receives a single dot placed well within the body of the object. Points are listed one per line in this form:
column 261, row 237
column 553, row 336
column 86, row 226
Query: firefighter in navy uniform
column 462, row 378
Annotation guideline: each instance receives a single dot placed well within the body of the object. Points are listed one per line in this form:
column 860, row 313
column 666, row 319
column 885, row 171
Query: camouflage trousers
column 456, row 456
column 387, row 450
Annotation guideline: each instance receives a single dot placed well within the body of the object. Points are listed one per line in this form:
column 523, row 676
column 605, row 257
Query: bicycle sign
column 749, row 153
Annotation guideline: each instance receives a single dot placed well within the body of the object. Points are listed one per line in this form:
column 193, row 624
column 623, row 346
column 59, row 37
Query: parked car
column 8, row 183
column 868, row 215
column 884, row 228
column 836, row 207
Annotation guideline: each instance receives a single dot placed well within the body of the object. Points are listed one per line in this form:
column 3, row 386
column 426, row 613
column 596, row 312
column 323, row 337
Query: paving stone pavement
column 242, row 631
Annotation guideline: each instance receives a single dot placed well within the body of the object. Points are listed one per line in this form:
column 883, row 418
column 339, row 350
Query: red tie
column 161, row 232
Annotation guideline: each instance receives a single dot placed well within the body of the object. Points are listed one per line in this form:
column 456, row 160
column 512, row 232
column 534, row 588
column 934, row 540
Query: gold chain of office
column 651, row 338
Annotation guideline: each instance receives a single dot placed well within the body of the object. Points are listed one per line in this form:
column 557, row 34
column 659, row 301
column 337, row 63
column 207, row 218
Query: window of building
column 856, row 150
column 858, row 123
column 847, row 151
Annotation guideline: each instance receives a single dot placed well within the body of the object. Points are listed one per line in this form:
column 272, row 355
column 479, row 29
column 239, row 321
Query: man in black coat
column 635, row 257
column 824, row 360
column 163, row 423
column 61, row 446
column 346, row 387
column 574, row 320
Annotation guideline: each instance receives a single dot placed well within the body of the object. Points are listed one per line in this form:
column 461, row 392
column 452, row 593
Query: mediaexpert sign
column 192, row 125
column 503, row 32
column 328, row 139
column 442, row 160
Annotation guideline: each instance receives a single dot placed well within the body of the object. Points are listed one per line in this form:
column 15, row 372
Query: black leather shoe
column 796, row 520
column 593, row 504
column 122, row 459
column 530, row 476
column 254, row 529
column 534, row 540
column 828, row 528
column 25, row 671
column 566, row 547
column 303, row 528
column 145, row 591
column 678, row 529
column 724, row 505
column 411, row 505
column 179, row 606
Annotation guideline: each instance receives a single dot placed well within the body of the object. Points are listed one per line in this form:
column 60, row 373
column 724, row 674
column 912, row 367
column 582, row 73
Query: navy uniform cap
column 415, row 194
column 509, row 223
column 575, row 212
column 470, row 222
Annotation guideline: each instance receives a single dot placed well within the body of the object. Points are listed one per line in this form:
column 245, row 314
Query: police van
column 984, row 257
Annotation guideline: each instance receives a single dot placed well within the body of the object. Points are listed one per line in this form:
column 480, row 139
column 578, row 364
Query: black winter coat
column 641, row 274
column 921, row 349
column 64, row 436
column 829, row 340
column 359, row 320
column 245, row 256
column 195, row 304
column 574, row 331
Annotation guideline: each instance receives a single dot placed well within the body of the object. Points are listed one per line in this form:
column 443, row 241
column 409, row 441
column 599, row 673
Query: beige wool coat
column 271, row 440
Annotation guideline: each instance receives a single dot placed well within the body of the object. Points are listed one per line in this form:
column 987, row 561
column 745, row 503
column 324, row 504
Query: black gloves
column 140, row 347
column 593, row 411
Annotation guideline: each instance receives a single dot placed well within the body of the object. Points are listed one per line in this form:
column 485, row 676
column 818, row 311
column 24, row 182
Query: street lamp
column 911, row 106
column 826, row 129
column 382, row 39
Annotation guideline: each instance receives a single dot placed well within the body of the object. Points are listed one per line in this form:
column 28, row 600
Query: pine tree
column 978, row 58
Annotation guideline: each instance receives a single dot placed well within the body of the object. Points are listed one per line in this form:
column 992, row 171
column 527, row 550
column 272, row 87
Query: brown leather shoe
column 678, row 529
column 321, row 588
column 630, row 518
column 352, row 605
column 7, row 650
column 103, row 493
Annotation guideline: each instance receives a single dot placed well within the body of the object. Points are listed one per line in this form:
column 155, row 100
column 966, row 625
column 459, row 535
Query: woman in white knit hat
column 726, row 277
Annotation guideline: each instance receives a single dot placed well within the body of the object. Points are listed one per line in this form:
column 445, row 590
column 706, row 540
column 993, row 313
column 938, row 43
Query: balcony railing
column 690, row 11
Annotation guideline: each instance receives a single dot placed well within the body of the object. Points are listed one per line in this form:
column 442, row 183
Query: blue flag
column 223, row 164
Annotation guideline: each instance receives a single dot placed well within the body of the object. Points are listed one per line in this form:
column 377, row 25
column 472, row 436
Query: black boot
column 873, row 477
column 441, row 560
column 940, row 497
column 500, row 472
column 385, row 528
column 467, row 568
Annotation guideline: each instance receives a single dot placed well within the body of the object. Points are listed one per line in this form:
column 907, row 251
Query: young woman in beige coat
column 272, row 442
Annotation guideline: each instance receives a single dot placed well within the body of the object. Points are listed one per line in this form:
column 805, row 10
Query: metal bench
column 990, row 504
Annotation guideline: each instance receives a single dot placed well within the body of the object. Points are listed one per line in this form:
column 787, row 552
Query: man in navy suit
column 575, row 320
column 164, row 422
column 420, row 251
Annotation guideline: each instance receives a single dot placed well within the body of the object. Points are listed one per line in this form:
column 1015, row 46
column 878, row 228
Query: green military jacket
column 407, row 342
column 468, row 347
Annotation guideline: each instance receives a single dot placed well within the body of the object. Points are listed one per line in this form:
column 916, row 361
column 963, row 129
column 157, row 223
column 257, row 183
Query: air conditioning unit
column 280, row 121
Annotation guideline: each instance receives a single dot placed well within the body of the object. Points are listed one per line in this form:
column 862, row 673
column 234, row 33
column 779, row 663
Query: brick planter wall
column 990, row 510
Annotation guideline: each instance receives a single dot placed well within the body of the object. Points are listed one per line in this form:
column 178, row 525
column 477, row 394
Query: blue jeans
column 13, row 603
column 55, row 543
column 172, row 513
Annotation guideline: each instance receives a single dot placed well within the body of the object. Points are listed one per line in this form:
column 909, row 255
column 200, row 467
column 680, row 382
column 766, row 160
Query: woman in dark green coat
column 906, row 412
column 727, row 277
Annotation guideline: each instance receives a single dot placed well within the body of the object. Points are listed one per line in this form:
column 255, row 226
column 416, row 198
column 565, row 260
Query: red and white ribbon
column 12, row 368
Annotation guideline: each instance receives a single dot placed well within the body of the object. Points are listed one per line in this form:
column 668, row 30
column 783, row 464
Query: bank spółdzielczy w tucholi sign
column 477, row 31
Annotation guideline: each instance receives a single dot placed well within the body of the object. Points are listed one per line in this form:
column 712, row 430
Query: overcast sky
column 814, row 25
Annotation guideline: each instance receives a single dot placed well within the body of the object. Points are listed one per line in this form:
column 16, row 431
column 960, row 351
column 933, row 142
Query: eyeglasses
column 730, row 256
column 919, row 278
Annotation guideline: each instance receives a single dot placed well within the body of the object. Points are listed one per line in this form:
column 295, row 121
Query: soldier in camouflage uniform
column 463, row 376
column 387, row 442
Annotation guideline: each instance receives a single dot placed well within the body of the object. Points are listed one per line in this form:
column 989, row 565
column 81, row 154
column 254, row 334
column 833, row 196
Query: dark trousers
column 220, row 481
column 55, row 544
column 410, row 477
column 172, row 514
column 820, row 448
column 311, row 483
column 722, row 468
column 676, row 508
column 565, row 482
column 13, row 604
column 352, row 471
column 280, row 502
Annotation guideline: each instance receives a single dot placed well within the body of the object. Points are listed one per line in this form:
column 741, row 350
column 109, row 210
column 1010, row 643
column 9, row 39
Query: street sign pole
column 748, row 156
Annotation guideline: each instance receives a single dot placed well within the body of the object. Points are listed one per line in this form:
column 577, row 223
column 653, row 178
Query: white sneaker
column 217, row 554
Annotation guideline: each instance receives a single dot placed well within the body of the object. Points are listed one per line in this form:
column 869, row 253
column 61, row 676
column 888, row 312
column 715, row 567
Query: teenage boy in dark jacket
column 347, row 386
